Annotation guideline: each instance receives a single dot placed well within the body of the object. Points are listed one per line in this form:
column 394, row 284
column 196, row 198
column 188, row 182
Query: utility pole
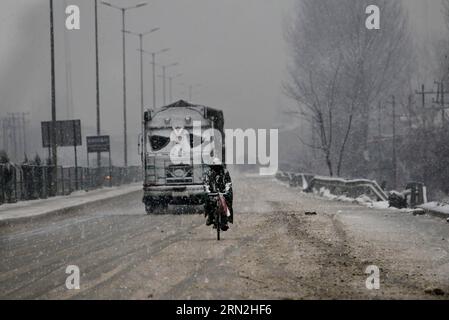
column 394, row 152
column 440, row 100
column 423, row 94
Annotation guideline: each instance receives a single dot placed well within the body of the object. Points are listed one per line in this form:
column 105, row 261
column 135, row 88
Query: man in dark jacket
column 218, row 180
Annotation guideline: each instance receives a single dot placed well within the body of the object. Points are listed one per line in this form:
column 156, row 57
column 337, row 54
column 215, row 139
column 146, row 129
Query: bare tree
column 339, row 69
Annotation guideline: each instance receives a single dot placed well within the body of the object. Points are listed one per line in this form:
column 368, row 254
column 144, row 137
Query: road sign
column 97, row 144
column 68, row 133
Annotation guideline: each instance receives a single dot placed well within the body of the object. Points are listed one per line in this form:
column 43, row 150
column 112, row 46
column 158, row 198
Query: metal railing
column 413, row 195
column 349, row 188
column 31, row 182
column 337, row 186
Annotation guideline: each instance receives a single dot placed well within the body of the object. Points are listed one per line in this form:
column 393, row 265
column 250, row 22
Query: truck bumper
column 188, row 193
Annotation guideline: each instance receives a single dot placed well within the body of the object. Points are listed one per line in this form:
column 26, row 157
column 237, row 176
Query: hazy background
column 234, row 48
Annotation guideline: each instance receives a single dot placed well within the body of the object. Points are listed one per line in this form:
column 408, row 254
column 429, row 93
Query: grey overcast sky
column 233, row 48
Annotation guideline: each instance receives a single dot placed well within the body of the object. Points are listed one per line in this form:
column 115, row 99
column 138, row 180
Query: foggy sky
column 233, row 48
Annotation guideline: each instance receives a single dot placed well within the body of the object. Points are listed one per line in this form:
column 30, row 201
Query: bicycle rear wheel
column 218, row 221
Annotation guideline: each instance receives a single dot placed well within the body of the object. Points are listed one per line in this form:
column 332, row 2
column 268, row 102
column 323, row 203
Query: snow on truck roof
column 185, row 104
column 205, row 112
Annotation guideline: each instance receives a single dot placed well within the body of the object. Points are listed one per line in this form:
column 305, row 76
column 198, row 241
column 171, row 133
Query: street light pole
column 190, row 89
column 141, row 79
column 97, row 70
column 171, row 85
column 154, row 79
column 125, row 126
column 53, row 102
column 153, row 56
column 170, row 80
column 163, row 84
column 393, row 102
column 164, row 78
column 141, row 35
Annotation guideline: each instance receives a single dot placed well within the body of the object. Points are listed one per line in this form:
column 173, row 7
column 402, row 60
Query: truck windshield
column 159, row 142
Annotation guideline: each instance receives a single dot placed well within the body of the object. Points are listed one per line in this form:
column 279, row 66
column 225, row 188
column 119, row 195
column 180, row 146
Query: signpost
column 100, row 144
column 68, row 134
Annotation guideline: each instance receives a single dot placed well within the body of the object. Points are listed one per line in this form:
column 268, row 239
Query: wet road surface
column 274, row 251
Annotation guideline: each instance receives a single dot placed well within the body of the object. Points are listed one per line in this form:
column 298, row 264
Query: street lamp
column 153, row 54
column 164, row 70
column 141, row 35
column 125, row 129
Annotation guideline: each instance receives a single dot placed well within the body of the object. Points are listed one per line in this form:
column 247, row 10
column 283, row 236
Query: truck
column 166, row 182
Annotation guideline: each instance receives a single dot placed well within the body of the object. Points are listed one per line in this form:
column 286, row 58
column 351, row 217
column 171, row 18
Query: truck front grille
column 179, row 174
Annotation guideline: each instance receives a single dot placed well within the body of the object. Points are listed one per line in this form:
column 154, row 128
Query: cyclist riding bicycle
column 218, row 180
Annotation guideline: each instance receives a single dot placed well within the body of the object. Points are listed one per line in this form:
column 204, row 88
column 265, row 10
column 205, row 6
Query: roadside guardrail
column 337, row 186
column 31, row 182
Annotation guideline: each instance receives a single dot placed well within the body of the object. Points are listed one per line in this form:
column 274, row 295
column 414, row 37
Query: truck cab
column 166, row 182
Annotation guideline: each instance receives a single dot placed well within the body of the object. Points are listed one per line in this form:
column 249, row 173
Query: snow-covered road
column 36, row 208
column 274, row 251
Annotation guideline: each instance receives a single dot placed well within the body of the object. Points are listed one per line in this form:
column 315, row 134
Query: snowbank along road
column 277, row 249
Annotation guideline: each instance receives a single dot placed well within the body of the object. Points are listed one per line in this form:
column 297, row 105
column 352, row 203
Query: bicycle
column 219, row 212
